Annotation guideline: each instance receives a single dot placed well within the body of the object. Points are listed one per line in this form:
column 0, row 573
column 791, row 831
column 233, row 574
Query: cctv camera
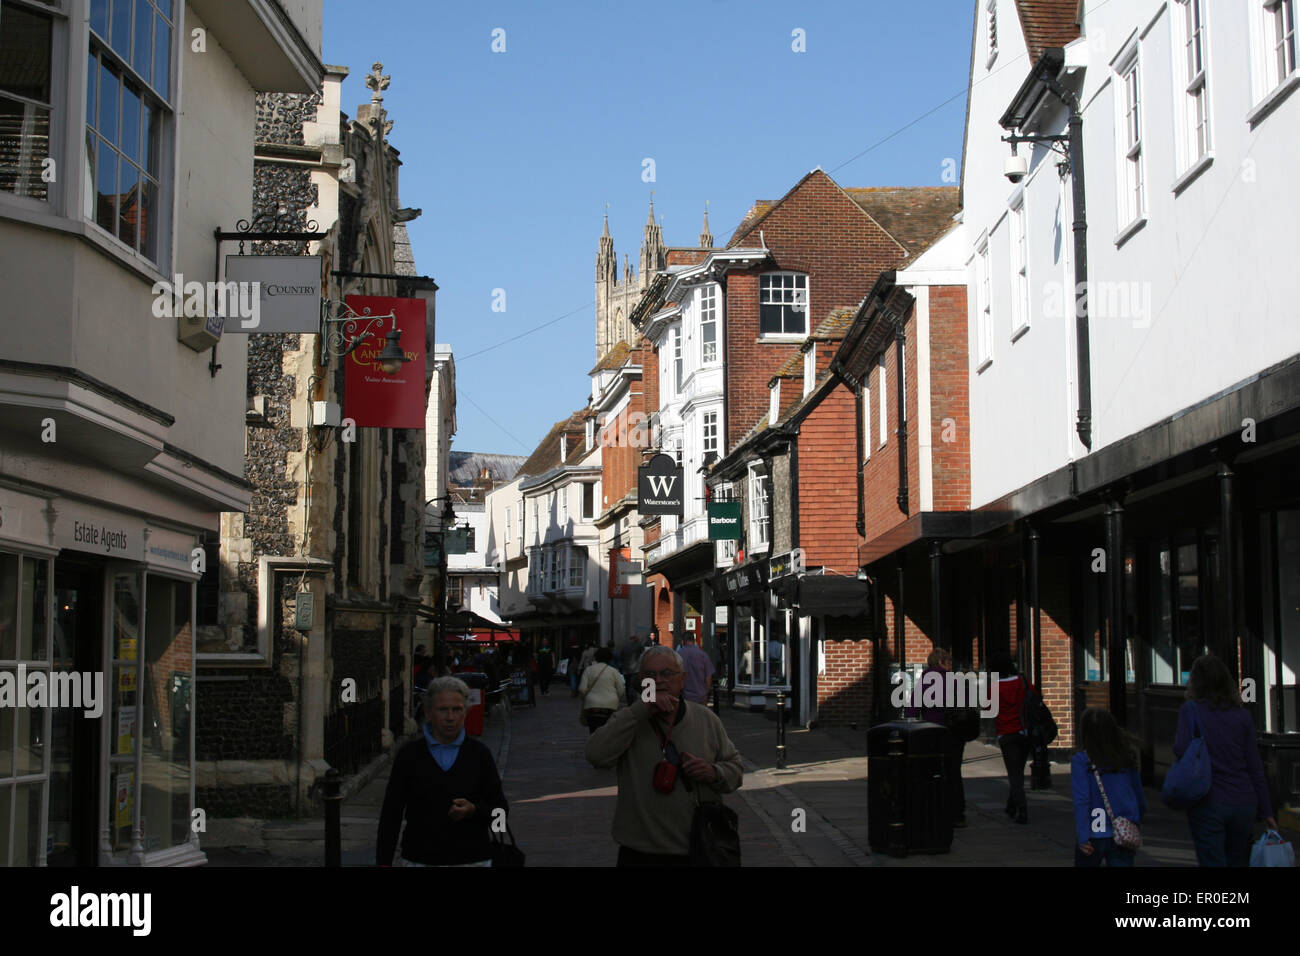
column 1015, row 168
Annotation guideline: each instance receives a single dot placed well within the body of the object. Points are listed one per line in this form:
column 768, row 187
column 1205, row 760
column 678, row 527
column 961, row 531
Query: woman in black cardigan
column 446, row 783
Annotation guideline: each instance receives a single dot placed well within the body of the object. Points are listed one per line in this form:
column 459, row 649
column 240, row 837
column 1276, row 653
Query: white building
column 1151, row 427
column 119, row 444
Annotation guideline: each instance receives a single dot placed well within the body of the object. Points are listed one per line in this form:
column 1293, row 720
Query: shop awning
column 826, row 595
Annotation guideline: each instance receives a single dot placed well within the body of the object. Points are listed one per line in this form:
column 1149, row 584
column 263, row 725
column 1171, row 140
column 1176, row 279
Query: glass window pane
column 35, row 595
column 162, row 59
column 106, row 188
column 8, row 606
column 108, row 84
column 92, row 145
column 143, row 43
column 148, row 209
column 24, row 145
column 168, row 676
column 8, row 679
column 99, row 17
column 128, row 202
column 121, row 40
column 129, row 142
column 30, row 758
column 151, row 135
column 92, row 74
column 165, row 6
column 25, row 44
column 27, row 824
column 126, row 616
column 1188, row 621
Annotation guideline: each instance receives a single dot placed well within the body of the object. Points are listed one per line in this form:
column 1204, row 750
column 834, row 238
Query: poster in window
column 126, row 730
column 125, row 802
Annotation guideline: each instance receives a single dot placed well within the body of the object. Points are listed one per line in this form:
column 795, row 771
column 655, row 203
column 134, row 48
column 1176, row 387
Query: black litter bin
column 908, row 795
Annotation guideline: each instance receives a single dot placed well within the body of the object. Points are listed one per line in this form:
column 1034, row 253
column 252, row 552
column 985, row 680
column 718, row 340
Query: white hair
column 659, row 649
column 441, row 685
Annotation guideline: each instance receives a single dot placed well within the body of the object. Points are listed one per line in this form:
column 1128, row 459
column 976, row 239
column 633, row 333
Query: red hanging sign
column 372, row 397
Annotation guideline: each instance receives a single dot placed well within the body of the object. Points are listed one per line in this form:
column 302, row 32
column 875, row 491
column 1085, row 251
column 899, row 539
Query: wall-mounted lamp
column 356, row 329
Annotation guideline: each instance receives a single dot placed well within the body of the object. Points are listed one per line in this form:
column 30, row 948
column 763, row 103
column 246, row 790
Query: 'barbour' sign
column 724, row 520
column 659, row 487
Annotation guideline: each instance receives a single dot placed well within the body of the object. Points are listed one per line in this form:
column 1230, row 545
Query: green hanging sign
column 724, row 520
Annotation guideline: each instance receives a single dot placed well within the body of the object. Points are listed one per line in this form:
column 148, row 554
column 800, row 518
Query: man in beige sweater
column 653, row 828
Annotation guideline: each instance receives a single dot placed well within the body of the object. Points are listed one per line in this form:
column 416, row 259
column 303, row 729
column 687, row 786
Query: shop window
column 168, row 705
column 1178, row 637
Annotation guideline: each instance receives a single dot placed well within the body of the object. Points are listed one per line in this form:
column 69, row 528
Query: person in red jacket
column 1013, row 737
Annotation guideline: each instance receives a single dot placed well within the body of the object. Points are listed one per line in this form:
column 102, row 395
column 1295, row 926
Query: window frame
column 57, row 111
column 759, row 497
column 709, row 307
column 810, row 368
column 1270, row 85
column 708, row 442
column 882, row 386
column 1131, row 197
column 983, row 305
column 1018, row 261
column 866, row 422
column 991, row 31
column 1194, row 148
column 588, row 500
column 796, row 305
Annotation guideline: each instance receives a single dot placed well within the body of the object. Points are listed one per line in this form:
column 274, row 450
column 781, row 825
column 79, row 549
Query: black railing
column 352, row 735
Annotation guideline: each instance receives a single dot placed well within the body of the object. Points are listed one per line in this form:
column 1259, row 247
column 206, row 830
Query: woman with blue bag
column 1109, row 802
column 1237, row 795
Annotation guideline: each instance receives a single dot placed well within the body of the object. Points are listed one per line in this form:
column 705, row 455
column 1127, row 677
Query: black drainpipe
column 902, row 417
column 1084, row 423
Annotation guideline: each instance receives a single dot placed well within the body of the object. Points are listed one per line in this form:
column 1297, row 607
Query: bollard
column 716, row 708
column 780, row 730
column 330, row 788
column 1040, row 770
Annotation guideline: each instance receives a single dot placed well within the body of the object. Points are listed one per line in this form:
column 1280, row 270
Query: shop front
column 96, row 686
column 758, row 634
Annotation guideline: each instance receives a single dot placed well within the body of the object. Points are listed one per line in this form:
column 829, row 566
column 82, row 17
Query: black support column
column 936, row 595
column 1225, row 644
column 1115, row 610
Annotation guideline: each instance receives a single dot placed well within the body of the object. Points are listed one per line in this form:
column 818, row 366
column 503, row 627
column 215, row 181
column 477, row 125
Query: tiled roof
column 1047, row 23
column 547, row 454
column 464, row 467
column 612, row 359
column 835, row 326
column 914, row 215
column 756, row 211
column 793, row 368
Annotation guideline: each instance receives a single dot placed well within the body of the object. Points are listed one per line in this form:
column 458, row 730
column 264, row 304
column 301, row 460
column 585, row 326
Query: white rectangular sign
column 288, row 296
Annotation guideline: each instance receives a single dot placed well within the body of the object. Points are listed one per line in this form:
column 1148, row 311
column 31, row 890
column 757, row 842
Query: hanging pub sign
column 724, row 520
column 273, row 294
column 379, row 392
column 659, row 487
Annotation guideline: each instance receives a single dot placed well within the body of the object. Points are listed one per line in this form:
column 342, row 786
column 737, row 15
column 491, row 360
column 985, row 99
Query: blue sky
column 513, row 156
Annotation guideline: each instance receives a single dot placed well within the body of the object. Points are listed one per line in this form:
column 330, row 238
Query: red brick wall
column 817, row 230
column 949, row 398
column 828, row 485
column 844, row 691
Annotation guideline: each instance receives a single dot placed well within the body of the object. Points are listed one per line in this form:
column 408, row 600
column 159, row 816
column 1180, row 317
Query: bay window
column 26, row 98
column 709, row 325
column 760, row 509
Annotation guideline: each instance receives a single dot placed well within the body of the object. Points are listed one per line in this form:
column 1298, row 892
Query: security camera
column 1015, row 168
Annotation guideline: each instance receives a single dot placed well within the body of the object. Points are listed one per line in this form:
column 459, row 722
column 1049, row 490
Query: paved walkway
column 561, row 808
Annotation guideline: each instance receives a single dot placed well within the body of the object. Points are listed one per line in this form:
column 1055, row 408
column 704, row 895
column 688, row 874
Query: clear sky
column 513, row 155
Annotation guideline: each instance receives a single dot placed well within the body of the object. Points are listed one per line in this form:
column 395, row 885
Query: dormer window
column 783, row 304
column 774, row 403
column 809, row 368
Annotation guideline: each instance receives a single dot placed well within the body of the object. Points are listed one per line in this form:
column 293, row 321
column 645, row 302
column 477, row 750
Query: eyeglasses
column 660, row 675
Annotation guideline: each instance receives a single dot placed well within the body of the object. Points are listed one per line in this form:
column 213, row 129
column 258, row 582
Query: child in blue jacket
column 1104, row 746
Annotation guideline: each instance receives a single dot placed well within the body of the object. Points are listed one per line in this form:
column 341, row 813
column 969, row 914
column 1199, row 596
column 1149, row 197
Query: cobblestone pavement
column 561, row 808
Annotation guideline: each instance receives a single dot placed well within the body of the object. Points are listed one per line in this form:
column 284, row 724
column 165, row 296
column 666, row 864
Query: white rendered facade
column 1188, row 135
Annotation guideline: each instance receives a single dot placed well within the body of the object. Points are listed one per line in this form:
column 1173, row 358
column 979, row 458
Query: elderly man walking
column 655, row 807
column 446, row 784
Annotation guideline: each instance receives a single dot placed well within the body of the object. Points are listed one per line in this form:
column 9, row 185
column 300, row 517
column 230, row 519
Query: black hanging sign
column 659, row 487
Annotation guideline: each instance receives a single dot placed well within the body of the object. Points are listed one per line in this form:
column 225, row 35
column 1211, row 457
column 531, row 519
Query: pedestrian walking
column 446, row 785
column 1013, row 736
column 672, row 755
column 571, row 670
column 1221, row 823
column 1108, row 794
column 699, row 670
column 588, row 655
column 602, row 690
column 545, row 667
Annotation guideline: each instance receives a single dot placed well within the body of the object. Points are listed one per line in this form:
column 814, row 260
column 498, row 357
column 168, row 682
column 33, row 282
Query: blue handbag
column 1188, row 780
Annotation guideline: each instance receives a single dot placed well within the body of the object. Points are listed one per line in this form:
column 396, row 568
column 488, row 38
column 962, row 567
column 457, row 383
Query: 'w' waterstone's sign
column 659, row 487
column 724, row 520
